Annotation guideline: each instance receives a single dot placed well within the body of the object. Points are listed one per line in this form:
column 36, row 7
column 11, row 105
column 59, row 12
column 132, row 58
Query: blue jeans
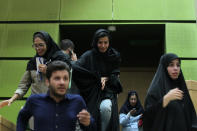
column 105, row 111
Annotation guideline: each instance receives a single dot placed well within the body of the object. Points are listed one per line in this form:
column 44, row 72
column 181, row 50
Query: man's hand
column 84, row 117
column 73, row 56
column 173, row 94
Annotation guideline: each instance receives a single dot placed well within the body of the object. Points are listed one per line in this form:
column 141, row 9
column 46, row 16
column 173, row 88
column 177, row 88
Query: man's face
column 58, row 83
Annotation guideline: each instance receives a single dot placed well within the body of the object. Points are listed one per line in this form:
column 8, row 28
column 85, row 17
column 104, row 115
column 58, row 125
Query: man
column 56, row 110
column 67, row 46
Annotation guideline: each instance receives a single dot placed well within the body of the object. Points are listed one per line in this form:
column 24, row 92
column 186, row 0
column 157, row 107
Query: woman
column 131, row 112
column 34, row 76
column 96, row 74
column 168, row 106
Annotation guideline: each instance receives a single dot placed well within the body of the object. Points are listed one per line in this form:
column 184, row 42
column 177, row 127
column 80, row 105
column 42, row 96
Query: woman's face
column 133, row 100
column 174, row 69
column 40, row 46
column 103, row 44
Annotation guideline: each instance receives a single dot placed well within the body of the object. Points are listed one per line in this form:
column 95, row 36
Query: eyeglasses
column 35, row 46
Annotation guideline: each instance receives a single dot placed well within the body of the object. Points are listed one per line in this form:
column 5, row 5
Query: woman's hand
column 173, row 94
column 42, row 68
column 5, row 103
column 9, row 101
column 103, row 81
column 133, row 111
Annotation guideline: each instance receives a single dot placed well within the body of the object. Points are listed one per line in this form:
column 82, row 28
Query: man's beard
column 52, row 91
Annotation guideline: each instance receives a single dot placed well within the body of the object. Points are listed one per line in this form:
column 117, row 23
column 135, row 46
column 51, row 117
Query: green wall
column 17, row 38
column 29, row 10
column 153, row 10
column 86, row 10
column 77, row 10
column 181, row 38
column 19, row 19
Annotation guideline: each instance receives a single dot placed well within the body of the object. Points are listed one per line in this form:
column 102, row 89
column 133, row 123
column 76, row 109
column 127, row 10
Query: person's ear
column 47, row 82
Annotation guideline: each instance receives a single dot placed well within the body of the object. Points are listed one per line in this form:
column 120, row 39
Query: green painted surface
column 18, row 38
column 4, row 10
column 31, row 10
column 189, row 69
column 138, row 9
column 3, row 35
column 153, row 10
column 46, row 10
column 11, row 73
column 11, row 112
column 86, row 10
column 181, row 38
column 111, row 23
column 179, row 10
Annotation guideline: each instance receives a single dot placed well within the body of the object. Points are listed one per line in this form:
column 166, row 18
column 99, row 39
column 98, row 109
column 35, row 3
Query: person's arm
column 135, row 118
column 174, row 94
column 22, row 89
column 24, row 115
column 87, row 122
column 24, row 84
column 124, row 119
column 9, row 101
column 84, row 59
column 73, row 56
column 103, row 81
column 153, row 106
column 114, row 81
column 42, row 68
column 84, row 117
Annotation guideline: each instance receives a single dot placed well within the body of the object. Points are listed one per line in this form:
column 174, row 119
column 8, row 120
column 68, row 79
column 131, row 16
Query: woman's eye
column 171, row 64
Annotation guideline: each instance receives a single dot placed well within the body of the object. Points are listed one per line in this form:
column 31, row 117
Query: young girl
column 131, row 112
column 168, row 106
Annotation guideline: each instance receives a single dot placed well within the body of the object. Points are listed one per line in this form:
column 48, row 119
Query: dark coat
column 179, row 114
column 87, row 73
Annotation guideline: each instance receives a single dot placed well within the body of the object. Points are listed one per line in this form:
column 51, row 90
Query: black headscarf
column 51, row 49
column 110, row 56
column 87, row 73
column 127, row 106
column 179, row 114
column 98, row 34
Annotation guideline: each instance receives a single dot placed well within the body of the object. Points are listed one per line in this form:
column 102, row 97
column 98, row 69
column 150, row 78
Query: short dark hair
column 66, row 43
column 56, row 66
